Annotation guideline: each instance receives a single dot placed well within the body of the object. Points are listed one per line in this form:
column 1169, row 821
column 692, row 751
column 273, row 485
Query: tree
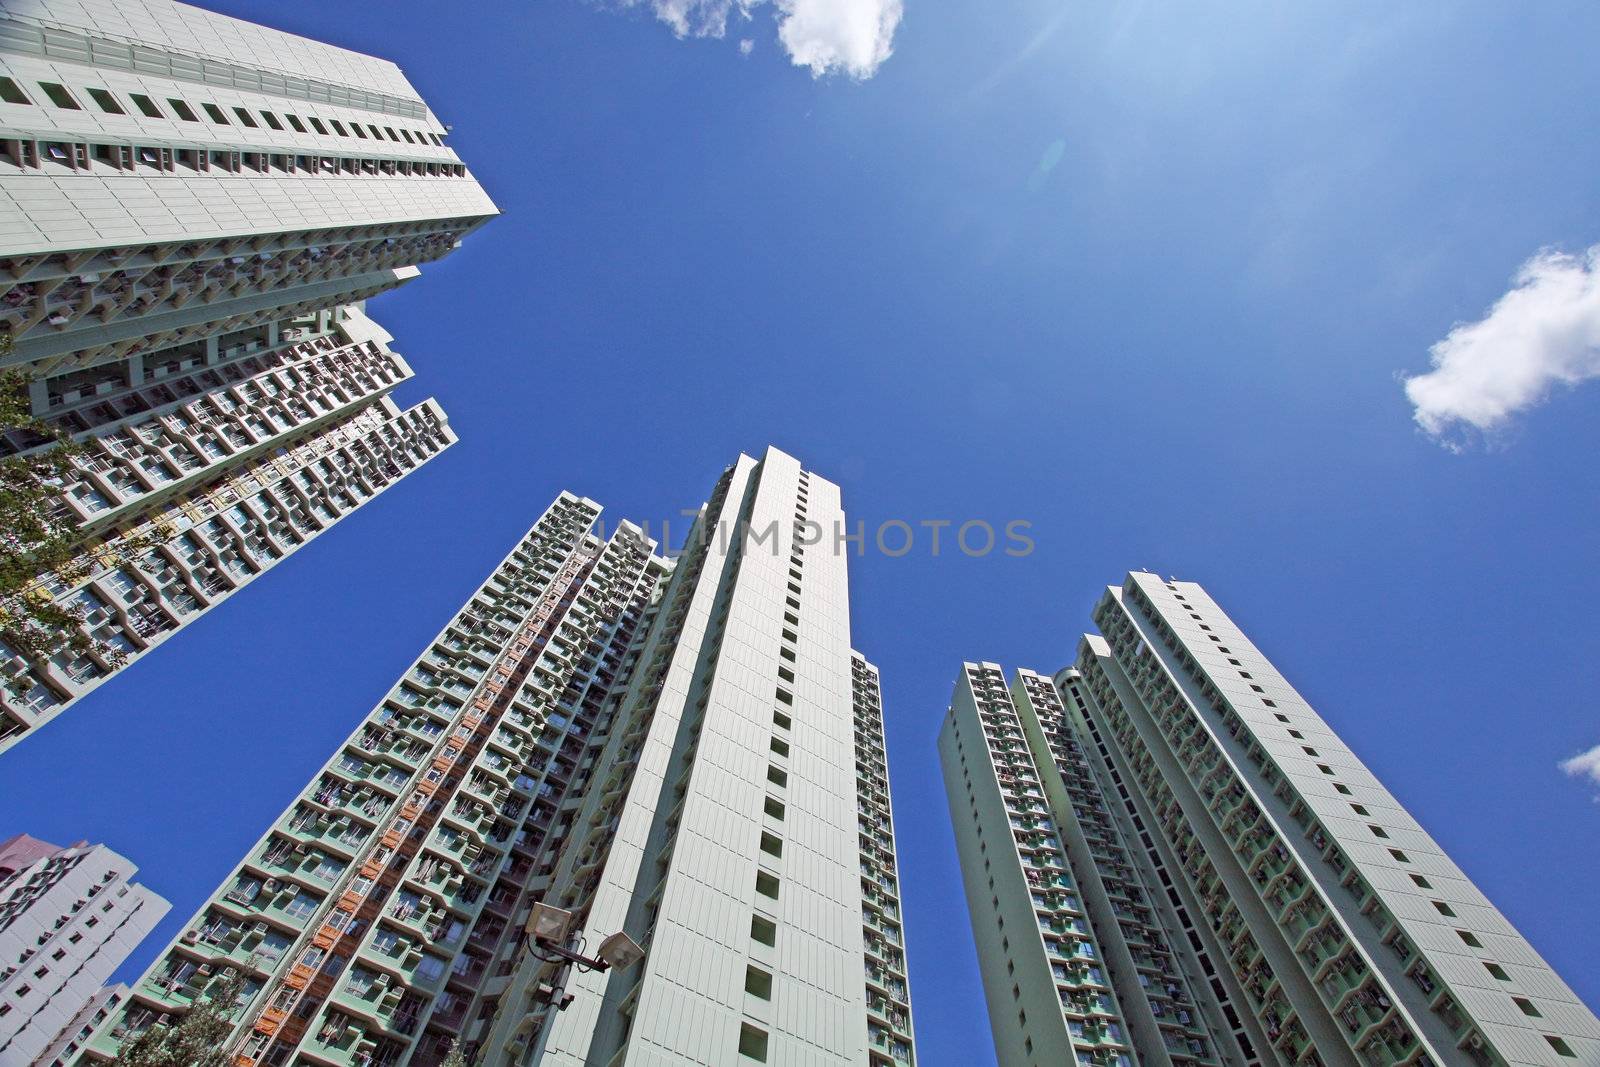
column 40, row 537
column 456, row 1057
column 198, row 1039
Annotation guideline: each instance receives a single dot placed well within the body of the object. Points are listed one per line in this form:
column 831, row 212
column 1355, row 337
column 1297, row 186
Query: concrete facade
column 68, row 918
column 686, row 749
column 192, row 211
column 730, row 836
column 1310, row 919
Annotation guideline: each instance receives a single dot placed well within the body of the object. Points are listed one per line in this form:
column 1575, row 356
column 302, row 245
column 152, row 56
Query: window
column 1358, row 809
column 1342, row 788
column 245, row 117
column 317, row 125
column 774, row 808
column 772, row 844
column 107, row 102
column 146, row 105
column 763, row 930
column 12, row 93
column 1400, row 856
column 294, row 122
column 59, row 96
column 752, row 1043
column 1377, row 831
column 183, row 110
column 758, row 983
column 780, row 747
column 216, row 114
column 272, row 120
column 1561, row 1047
column 1469, row 938
column 767, row 884
column 338, row 129
column 781, row 720
column 430, row 968
column 301, row 906
column 360, row 981
column 272, row 946
column 776, row 776
column 1324, row 768
column 1496, row 971
column 1527, row 1007
column 1421, row 881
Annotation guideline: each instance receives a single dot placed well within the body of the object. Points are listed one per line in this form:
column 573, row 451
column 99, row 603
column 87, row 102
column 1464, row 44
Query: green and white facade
column 193, row 210
column 684, row 749
column 740, row 832
column 1306, row 917
column 376, row 910
column 1080, row 953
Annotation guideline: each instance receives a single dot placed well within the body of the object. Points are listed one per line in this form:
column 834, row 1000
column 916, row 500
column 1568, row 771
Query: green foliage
column 198, row 1039
column 39, row 537
column 456, row 1058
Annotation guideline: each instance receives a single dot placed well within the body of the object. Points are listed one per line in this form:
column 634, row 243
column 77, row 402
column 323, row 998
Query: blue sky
column 1145, row 275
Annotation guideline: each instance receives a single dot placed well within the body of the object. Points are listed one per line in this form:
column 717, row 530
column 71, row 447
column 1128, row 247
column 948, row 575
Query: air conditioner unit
column 270, row 886
column 205, row 968
column 191, row 936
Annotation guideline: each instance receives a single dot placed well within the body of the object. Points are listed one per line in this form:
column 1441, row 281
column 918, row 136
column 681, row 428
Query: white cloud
column 1584, row 765
column 853, row 37
column 1544, row 332
column 696, row 18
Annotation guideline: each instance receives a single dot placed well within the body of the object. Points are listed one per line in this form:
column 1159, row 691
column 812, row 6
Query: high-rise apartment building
column 1075, row 945
column 68, row 918
column 684, row 750
column 1170, row 857
column 192, row 211
column 75, row 1035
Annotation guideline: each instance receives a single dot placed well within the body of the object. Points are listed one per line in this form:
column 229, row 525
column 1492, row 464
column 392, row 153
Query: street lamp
column 551, row 930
